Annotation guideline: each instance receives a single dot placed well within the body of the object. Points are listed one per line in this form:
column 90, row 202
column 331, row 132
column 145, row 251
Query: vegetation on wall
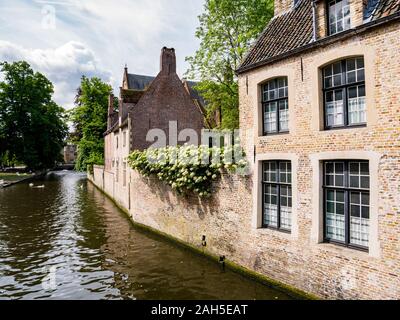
column 89, row 119
column 188, row 168
column 32, row 126
column 227, row 28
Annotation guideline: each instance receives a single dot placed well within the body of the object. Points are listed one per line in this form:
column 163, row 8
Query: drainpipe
column 314, row 13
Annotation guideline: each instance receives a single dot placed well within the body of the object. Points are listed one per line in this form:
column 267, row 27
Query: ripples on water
column 68, row 241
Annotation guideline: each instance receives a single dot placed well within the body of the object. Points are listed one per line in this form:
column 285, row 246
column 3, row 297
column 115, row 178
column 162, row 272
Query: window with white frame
column 344, row 93
column 275, row 106
column 347, row 203
column 277, row 195
column 338, row 16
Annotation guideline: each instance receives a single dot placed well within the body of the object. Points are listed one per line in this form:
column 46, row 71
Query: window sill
column 275, row 136
column 361, row 127
column 343, row 250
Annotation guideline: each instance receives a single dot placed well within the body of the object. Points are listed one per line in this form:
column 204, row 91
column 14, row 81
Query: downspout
column 314, row 13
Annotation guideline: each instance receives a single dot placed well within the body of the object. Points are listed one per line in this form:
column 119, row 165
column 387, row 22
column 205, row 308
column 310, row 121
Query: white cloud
column 64, row 66
column 117, row 32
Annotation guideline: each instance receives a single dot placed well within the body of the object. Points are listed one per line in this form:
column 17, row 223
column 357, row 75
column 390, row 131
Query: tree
column 32, row 125
column 227, row 28
column 89, row 118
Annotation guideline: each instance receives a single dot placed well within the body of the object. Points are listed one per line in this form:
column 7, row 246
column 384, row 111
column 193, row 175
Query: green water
column 69, row 241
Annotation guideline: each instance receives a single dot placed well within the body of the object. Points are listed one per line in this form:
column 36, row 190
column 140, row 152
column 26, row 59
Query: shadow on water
column 69, row 241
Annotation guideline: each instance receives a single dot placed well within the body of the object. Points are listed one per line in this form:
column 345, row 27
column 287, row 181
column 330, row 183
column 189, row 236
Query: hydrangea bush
column 189, row 168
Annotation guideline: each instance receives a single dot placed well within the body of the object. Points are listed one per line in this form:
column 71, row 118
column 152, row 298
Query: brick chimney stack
column 168, row 61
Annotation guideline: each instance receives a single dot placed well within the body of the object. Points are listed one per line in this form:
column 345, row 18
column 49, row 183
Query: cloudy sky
column 65, row 39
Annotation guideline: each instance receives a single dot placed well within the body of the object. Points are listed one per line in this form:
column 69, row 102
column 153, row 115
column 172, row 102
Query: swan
column 40, row 187
column 31, row 185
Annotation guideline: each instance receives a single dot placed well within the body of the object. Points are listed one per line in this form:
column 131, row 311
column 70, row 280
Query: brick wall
column 227, row 219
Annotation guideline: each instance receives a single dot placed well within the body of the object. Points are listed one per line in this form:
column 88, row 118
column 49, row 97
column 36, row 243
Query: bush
column 188, row 168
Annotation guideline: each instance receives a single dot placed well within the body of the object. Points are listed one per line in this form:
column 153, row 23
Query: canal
column 69, row 241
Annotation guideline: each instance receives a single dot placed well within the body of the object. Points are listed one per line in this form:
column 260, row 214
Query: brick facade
column 230, row 219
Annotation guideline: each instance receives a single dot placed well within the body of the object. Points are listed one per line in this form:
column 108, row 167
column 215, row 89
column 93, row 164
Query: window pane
column 270, row 114
column 335, row 218
column 334, row 108
column 286, row 207
column 270, row 171
column 270, row 206
column 359, row 218
column 285, row 169
column 357, row 105
column 334, row 174
column 283, row 115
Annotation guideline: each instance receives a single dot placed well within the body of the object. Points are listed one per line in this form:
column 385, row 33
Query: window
column 344, row 93
column 347, row 203
column 275, row 106
column 277, row 195
column 338, row 16
column 124, row 138
column 116, row 141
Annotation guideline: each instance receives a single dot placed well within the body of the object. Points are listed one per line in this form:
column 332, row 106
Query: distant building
column 70, row 154
column 147, row 103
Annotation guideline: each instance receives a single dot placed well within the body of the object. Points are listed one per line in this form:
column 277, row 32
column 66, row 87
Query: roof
column 194, row 93
column 292, row 31
column 376, row 9
column 139, row 82
column 284, row 33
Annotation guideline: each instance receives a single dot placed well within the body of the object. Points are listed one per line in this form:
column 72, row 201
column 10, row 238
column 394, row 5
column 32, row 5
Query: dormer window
column 339, row 16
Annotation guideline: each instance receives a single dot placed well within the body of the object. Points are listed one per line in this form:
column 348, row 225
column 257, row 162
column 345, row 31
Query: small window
column 275, row 106
column 338, row 16
column 116, row 142
column 347, row 203
column 277, row 195
column 344, row 93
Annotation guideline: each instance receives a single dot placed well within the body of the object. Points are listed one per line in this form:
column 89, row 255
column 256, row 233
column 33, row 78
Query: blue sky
column 65, row 39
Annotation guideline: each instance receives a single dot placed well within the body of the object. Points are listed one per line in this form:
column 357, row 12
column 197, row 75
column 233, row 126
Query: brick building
column 319, row 105
column 146, row 103
column 320, row 121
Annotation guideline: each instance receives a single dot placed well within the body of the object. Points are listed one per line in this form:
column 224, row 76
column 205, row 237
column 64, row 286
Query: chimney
column 110, row 110
column 168, row 61
column 282, row 6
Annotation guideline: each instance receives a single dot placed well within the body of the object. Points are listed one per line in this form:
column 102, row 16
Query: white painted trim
column 257, row 193
column 317, row 199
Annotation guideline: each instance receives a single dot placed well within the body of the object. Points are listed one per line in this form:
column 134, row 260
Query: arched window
column 275, row 106
column 344, row 93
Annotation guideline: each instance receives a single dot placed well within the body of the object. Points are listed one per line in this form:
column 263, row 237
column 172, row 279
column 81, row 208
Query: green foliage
column 188, row 168
column 32, row 125
column 227, row 28
column 89, row 118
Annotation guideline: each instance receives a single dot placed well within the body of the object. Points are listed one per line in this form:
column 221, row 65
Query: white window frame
column 257, row 193
column 317, row 160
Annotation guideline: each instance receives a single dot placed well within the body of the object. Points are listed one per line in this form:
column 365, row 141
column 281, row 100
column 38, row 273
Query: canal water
column 69, row 241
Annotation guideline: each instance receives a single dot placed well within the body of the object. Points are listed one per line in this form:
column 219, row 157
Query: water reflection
column 75, row 239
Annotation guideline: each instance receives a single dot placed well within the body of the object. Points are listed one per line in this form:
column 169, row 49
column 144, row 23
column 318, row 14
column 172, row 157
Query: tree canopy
column 89, row 118
column 32, row 125
column 227, row 28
